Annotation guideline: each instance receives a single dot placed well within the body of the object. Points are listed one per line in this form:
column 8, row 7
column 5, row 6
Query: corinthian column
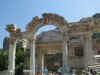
column 12, row 51
column 42, row 63
column 32, row 57
column 88, row 51
column 65, row 56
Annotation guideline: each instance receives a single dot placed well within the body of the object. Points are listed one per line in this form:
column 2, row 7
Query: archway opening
column 49, row 49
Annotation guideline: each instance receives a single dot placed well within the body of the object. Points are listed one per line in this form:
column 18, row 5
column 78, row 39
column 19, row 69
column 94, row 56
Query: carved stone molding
column 88, row 36
column 47, row 19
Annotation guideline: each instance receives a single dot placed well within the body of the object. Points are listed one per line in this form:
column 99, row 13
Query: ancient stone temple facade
column 78, row 42
column 29, row 36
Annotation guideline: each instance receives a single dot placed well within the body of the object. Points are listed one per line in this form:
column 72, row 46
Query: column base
column 11, row 73
column 32, row 73
column 66, row 70
column 67, row 73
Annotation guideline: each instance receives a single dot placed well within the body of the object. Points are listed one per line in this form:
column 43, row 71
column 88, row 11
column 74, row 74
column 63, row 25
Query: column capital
column 65, row 36
column 31, row 40
column 88, row 36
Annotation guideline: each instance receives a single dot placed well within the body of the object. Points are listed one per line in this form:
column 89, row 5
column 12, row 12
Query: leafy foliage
column 3, row 60
column 19, row 61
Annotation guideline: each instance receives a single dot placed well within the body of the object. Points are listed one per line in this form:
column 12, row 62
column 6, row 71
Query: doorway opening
column 49, row 52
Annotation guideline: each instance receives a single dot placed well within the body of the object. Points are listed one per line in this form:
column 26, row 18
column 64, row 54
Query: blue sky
column 20, row 12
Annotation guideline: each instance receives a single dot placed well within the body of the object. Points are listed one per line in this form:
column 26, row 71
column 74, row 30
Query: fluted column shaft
column 88, row 51
column 12, row 51
column 65, row 55
column 42, row 63
column 32, row 57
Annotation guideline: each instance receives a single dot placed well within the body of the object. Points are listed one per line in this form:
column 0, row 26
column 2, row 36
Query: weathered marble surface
column 84, row 27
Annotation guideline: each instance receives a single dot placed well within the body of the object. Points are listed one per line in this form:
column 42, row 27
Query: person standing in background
column 45, row 71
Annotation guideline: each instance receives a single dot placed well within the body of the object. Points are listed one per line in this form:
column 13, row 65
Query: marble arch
column 47, row 19
column 32, row 27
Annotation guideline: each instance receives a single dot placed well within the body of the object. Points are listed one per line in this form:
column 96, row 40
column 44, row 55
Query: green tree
column 20, row 59
column 3, row 60
column 20, row 56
